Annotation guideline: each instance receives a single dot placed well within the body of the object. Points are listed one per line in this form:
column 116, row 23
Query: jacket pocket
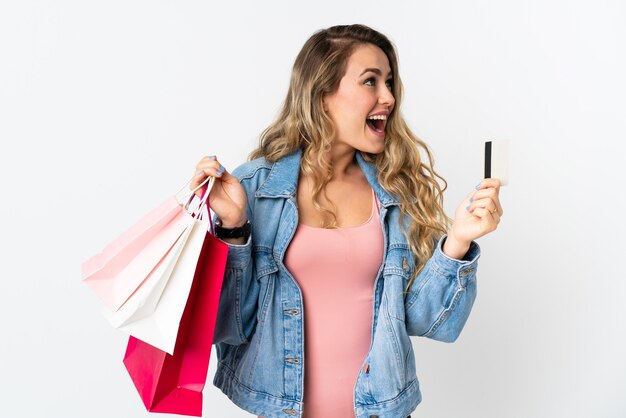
column 390, row 366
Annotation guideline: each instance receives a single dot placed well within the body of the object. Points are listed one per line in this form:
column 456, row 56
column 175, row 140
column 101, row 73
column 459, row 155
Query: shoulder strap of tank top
column 374, row 202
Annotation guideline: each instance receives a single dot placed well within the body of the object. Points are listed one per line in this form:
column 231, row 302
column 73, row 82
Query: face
column 361, row 104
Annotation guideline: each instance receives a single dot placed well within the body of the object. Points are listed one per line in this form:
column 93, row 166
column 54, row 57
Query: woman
column 339, row 245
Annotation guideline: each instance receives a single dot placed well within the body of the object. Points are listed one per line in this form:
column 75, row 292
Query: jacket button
column 405, row 265
column 366, row 368
column 292, row 311
column 373, row 416
column 293, row 360
column 467, row 271
column 289, row 411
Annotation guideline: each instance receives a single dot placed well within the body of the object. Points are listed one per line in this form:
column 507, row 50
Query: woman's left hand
column 478, row 214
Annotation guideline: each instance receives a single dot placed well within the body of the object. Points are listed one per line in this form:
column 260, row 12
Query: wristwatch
column 239, row 232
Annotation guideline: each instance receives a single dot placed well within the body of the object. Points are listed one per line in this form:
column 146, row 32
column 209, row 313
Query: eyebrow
column 373, row 70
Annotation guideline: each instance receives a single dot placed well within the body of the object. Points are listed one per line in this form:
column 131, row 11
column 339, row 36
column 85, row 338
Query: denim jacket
column 260, row 324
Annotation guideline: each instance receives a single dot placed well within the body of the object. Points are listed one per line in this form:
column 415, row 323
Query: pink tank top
column 336, row 270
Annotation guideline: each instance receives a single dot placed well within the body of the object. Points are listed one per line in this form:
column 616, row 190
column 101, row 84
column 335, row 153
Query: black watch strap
column 239, row 232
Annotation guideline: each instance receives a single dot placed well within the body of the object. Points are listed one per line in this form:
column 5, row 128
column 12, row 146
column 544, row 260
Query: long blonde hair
column 303, row 124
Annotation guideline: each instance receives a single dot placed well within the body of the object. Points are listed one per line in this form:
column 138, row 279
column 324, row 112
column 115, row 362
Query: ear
column 324, row 105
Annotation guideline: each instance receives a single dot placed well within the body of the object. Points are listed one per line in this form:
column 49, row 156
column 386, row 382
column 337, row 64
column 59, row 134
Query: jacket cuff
column 463, row 270
column 239, row 255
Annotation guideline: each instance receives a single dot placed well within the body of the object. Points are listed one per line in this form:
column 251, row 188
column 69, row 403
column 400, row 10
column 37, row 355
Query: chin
column 372, row 149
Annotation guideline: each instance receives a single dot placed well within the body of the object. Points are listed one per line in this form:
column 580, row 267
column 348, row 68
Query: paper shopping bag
column 124, row 264
column 174, row 383
column 153, row 315
column 144, row 300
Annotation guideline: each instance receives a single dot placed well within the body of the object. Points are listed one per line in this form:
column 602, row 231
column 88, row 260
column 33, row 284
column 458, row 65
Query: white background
column 105, row 108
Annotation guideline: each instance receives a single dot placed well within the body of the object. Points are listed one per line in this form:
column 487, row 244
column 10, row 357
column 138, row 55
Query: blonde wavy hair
column 303, row 124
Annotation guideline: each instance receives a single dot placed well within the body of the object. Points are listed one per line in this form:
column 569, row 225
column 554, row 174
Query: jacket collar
column 282, row 180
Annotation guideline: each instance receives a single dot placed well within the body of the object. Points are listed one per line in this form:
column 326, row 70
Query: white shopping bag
column 144, row 300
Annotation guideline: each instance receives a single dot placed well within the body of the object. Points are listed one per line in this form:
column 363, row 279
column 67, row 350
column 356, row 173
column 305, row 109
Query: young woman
column 339, row 245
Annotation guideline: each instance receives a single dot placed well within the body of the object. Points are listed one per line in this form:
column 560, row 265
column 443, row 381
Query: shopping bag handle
column 205, row 203
column 185, row 186
column 204, row 200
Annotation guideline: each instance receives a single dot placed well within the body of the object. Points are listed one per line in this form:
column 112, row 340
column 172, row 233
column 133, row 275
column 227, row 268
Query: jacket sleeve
column 236, row 315
column 441, row 297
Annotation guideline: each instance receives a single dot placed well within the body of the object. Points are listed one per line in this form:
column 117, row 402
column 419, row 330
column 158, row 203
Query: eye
column 389, row 84
column 370, row 81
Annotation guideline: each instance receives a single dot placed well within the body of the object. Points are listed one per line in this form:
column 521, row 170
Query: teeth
column 379, row 117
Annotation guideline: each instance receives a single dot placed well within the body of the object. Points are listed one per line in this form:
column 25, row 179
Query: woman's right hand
column 228, row 198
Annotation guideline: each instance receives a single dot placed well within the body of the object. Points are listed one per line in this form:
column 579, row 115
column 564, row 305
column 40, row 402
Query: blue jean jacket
column 260, row 324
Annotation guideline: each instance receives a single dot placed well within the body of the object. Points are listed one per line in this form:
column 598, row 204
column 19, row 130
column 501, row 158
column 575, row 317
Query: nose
column 386, row 98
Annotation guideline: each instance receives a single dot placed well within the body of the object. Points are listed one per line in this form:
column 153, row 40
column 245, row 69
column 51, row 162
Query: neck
column 342, row 158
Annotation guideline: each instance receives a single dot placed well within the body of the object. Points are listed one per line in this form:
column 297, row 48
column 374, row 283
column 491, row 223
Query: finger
column 198, row 178
column 207, row 159
column 201, row 177
column 487, row 217
column 207, row 163
column 210, row 168
column 486, row 203
column 204, row 163
column 489, row 193
column 489, row 182
column 480, row 212
column 499, row 206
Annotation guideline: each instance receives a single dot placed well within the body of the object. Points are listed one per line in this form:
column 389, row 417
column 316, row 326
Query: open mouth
column 377, row 122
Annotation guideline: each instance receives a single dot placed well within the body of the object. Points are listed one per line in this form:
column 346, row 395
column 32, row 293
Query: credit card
column 497, row 160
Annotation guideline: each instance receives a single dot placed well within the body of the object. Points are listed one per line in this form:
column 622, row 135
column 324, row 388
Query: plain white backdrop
column 105, row 108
